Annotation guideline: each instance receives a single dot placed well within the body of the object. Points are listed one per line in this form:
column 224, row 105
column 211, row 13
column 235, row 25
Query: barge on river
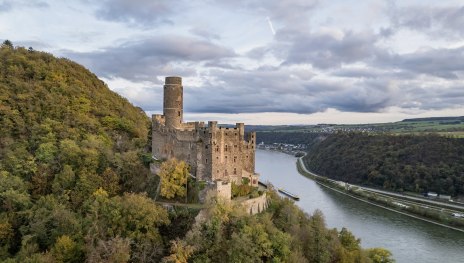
column 285, row 192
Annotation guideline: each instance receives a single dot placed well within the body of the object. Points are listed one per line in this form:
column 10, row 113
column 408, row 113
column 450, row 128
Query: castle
column 215, row 154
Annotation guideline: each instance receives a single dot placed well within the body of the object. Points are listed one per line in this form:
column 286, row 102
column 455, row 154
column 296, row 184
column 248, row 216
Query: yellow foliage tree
column 173, row 175
column 380, row 255
column 180, row 252
column 67, row 250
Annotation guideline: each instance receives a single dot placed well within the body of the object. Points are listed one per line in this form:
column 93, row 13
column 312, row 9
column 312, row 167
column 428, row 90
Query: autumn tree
column 380, row 255
column 120, row 220
column 180, row 252
column 67, row 250
column 173, row 175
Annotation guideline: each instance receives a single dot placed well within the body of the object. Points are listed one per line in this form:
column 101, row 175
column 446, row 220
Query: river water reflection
column 410, row 240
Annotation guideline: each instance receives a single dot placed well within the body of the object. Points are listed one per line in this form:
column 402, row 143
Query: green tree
column 6, row 236
column 380, row 255
column 317, row 239
column 46, row 152
column 69, row 152
column 110, row 181
column 64, row 181
column 134, row 217
column 348, row 240
column 67, row 250
column 173, row 174
column 351, row 251
column 13, row 193
column 7, row 44
column 50, row 219
column 86, row 184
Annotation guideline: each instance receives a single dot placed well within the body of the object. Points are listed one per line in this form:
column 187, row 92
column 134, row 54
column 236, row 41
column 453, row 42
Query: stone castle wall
column 213, row 153
column 256, row 205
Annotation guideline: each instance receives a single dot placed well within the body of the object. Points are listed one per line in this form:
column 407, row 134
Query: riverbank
column 430, row 214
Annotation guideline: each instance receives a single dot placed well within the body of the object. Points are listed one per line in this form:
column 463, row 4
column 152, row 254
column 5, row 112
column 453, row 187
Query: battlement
column 158, row 118
column 250, row 137
column 173, row 80
column 212, row 125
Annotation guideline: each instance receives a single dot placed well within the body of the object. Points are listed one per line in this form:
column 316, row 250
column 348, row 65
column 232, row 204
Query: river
column 410, row 240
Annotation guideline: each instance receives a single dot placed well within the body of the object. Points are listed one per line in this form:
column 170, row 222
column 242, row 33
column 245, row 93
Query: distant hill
column 458, row 119
column 416, row 163
column 449, row 126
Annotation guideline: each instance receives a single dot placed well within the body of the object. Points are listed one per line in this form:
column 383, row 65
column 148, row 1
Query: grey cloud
column 145, row 59
column 222, row 64
column 294, row 89
column 361, row 96
column 34, row 44
column 290, row 14
column 443, row 63
column 204, row 33
column 5, row 6
column 149, row 98
column 428, row 97
column 8, row 5
column 439, row 21
column 144, row 13
column 273, row 90
column 299, row 97
column 369, row 73
column 327, row 51
column 293, row 13
column 373, row 73
column 284, row 89
column 239, row 91
column 258, row 52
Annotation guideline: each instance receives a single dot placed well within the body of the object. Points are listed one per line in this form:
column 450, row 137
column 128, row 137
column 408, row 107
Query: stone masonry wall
column 256, row 205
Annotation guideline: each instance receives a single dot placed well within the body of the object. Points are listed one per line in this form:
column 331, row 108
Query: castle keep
column 214, row 153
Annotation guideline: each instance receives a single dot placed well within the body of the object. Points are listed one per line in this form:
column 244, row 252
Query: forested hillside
column 416, row 163
column 283, row 233
column 75, row 184
column 63, row 136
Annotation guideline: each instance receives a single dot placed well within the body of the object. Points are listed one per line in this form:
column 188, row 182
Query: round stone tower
column 173, row 102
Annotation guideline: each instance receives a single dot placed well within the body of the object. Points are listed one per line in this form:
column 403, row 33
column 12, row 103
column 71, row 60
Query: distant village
column 328, row 128
column 288, row 148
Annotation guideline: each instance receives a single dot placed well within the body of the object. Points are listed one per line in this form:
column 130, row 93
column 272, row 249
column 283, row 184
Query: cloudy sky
column 262, row 62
